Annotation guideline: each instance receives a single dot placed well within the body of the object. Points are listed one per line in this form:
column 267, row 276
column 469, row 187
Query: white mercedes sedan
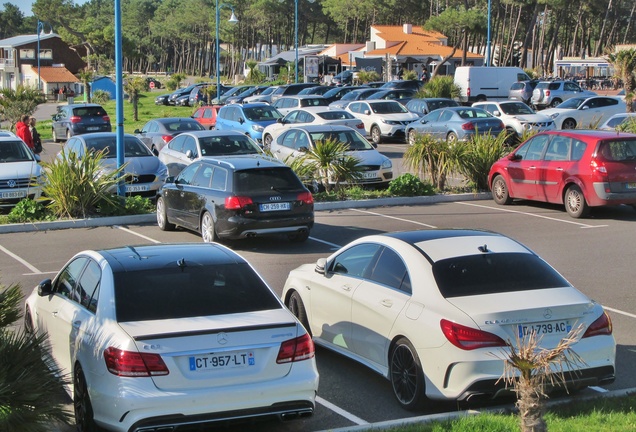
column 167, row 336
column 432, row 311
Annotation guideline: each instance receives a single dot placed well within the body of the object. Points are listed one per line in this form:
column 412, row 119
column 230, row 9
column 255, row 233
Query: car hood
column 368, row 157
column 532, row 118
column 406, row 117
column 136, row 165
column 557, row 110
column 20, row 169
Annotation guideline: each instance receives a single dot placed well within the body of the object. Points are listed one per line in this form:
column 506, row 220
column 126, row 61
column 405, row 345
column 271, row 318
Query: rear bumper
column 238, row 227
column 602, row 197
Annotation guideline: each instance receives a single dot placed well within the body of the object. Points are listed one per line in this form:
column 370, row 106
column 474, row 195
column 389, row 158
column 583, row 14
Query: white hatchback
column 585, row 112
column 382, row 118
column 163, row 336
column 20, row 174
column 518, row 117
column 432, row 311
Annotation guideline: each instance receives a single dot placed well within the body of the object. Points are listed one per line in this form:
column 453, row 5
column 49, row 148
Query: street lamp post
column 488, row 38
column 232, row 20
column 40, row 28
column 296, row 36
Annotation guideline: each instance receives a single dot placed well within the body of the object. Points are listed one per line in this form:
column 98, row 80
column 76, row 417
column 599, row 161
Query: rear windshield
column 517, row 86
column 492, row 273
column 190, row 291
column 266, row 180
column 89, row 112
column 228, row 145
column 618, row 151
column 108, row 144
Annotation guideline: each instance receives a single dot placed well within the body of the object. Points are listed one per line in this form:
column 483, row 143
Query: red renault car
column 577, row 168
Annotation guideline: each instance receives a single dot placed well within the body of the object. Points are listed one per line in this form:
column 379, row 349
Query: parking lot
column 594, row 254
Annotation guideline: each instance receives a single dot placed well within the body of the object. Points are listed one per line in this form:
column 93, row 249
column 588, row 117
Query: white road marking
column 352, row 418
column 335, row 246
column 582, row 225
column 20, row 260
column 619, row 312
column 393, row 217
column 136, row 233
column 598, row 389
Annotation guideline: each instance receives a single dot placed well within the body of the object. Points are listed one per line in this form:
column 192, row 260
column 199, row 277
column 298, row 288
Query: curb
column 320, row 206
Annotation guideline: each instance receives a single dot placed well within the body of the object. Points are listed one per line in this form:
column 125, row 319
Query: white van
column 480, row 83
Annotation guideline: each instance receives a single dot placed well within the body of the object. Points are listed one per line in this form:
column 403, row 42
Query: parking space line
column 393, row 217
column 352, row 418
column 582, row 225
column 619, row 312
column 20, row 260
column 136, row 233
column 333, row 245
column 598, row 389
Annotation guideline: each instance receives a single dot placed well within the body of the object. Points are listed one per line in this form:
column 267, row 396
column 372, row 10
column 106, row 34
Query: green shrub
column 409, row 185
column 474, row 158
column 429, row 155
column 132, row 205
column 100, row 97
column 441, row 86
column 29, row 210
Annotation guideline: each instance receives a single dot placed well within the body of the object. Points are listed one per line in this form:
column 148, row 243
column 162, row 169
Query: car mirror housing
column 320, row 265
column 137, row 131
column 367, row 112
column 496, row 113
column 514, row 157
column 170, row 179
column 241, row 120
column 45, row 288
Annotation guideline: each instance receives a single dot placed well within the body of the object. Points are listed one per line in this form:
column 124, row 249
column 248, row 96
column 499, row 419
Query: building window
column 26, row 54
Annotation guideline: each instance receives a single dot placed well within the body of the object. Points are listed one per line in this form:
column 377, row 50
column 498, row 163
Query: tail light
column 360, row 125
column 599, row 171
column 601, row 327
column 298, row 349
column 106, row 118
column 468, row 92
column 468, row 126
column 468, row 338
column 237, row 202
column 75, row 119
column 305, row 197
column 547, row 93
column 134, row 364
column 166, row 138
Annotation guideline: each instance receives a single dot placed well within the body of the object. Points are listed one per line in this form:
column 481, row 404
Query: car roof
column 11, row 138
column 247, row 105
column 101, row 135
column 243, row 162
column 173, row 119
column 317, row 109
column 304, row 96
column 323, row 127
column 215, row 132
column 599, row 134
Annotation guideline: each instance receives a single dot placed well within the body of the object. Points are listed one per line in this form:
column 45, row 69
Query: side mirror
column 514, row 157
column 241, row 120
column 320, row 265
column 303, row 149
column 155, row 151
column 585, row 107
column 280, row 120
column 137, row 131
column 170, row 179
column 45, row 288
column 496, row 113
column 367, row 112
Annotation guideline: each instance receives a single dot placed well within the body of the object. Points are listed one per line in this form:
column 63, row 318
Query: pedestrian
column 424, row 76
column 35, row 135
column 23, row 132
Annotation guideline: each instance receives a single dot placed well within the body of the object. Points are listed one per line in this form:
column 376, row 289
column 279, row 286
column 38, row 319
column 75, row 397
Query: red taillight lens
column 305, row 197
column 468, row 92
column 547, row 93
column 134, row 364
column 360, row 125
column 468, row 126
column 298, row 349
column 468, row 338
column 237, row 202
column 166, row 138
column 601, row 327
column 75, row 119
column 106, row 118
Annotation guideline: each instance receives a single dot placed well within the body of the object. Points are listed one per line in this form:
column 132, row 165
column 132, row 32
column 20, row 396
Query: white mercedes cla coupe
column 432, row 311
column 163, row 336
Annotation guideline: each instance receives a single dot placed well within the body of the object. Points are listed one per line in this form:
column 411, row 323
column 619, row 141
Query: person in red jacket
column 23, row 132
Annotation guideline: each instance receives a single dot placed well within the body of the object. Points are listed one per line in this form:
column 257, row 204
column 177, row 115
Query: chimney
column 407, row 28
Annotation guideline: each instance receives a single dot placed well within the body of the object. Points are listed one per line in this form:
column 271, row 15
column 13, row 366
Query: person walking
column 35, row 135
column 23, row 132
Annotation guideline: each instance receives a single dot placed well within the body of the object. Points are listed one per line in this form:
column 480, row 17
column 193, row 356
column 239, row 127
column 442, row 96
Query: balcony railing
column 7, row 63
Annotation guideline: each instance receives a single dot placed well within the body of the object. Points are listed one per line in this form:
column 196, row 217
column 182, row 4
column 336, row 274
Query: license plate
column 547, row 328
column 213, row 361
column 369, row 175
column 16, row 194
column 630, row 185
column 136, row 188
column 275, row 206
column 92, row 128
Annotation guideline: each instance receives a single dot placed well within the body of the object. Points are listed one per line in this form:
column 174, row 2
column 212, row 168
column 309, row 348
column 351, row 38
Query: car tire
column 82, row 404
column 297, row 307
column 208, row 233
column 555, row 103
column 299, row 237
column 568, row 123
column 412, row 137
column 451, row 138
column 512, row 138
column 28, row 322
column 68, row 134
column 267, row 141
column 162, row 216
column 376, row 135
column 500, row 192
column 54, row 136
column 405, row 372
column 575, row 203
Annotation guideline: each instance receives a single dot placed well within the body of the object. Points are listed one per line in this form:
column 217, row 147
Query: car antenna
column 483, row 248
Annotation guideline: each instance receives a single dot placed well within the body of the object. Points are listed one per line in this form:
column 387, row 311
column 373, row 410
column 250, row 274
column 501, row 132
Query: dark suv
column 237, row 197
column 77, row 119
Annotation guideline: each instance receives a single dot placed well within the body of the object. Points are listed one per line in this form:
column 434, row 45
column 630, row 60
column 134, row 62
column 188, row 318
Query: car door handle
column 346, row 287
column 532, row 168
column 559, row 169
column 386, row 303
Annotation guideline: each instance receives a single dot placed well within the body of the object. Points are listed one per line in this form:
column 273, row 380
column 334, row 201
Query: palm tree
column 134, row 86
column 16, row 103
column 624, row 62
column 330, row 164
column 30, row 392
column 86, row 76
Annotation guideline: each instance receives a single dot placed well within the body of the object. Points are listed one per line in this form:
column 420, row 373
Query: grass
column 614, row 414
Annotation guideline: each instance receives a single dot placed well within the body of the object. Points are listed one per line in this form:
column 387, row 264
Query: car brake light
column 360, row 125
column 134, row 364
column 468, row 338
column 166, row 138
column 106, row 118
column 468, row 126
column 75, row 119
column 601, row 327
column 237, row 202
column 599, row 171
column 305, row 197
column 297, row 349
column 547, row 93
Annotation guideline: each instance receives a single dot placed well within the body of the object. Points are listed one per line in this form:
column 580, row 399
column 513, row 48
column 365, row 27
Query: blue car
column 249, row 119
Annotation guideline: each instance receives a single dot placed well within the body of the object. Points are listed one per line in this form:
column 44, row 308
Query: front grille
column 139, row 179
column 11, row 183
column 369, row 167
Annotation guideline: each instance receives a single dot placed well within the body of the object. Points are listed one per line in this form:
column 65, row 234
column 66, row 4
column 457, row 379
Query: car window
column 203, row 177
column 190, row 145
column 389, row 270
column 185, row 177
column 388, row 108
column 65, row 283
column 558, row 149
column 620, row 151
column 335, row 115
column 445, row 116
column 184, row 291
column 227, row 145
column 355, row 260
column 219, row 179
column 88, row 287
column 533, row 148
column 493, row 273
column 176, row 144
column 578, row 149
column 433, row 116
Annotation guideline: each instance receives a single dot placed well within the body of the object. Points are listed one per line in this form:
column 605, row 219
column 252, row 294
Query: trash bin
column 60, row 97
column 70, row 99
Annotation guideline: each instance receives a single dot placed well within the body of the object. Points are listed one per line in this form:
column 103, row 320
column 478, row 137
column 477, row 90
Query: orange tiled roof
column 425, row 49
column 396, row 33
column 55, row 74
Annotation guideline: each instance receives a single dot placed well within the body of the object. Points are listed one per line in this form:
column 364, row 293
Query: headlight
column 554, row 115
column 391, row 122
column 258, row 128
column 387, row 163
